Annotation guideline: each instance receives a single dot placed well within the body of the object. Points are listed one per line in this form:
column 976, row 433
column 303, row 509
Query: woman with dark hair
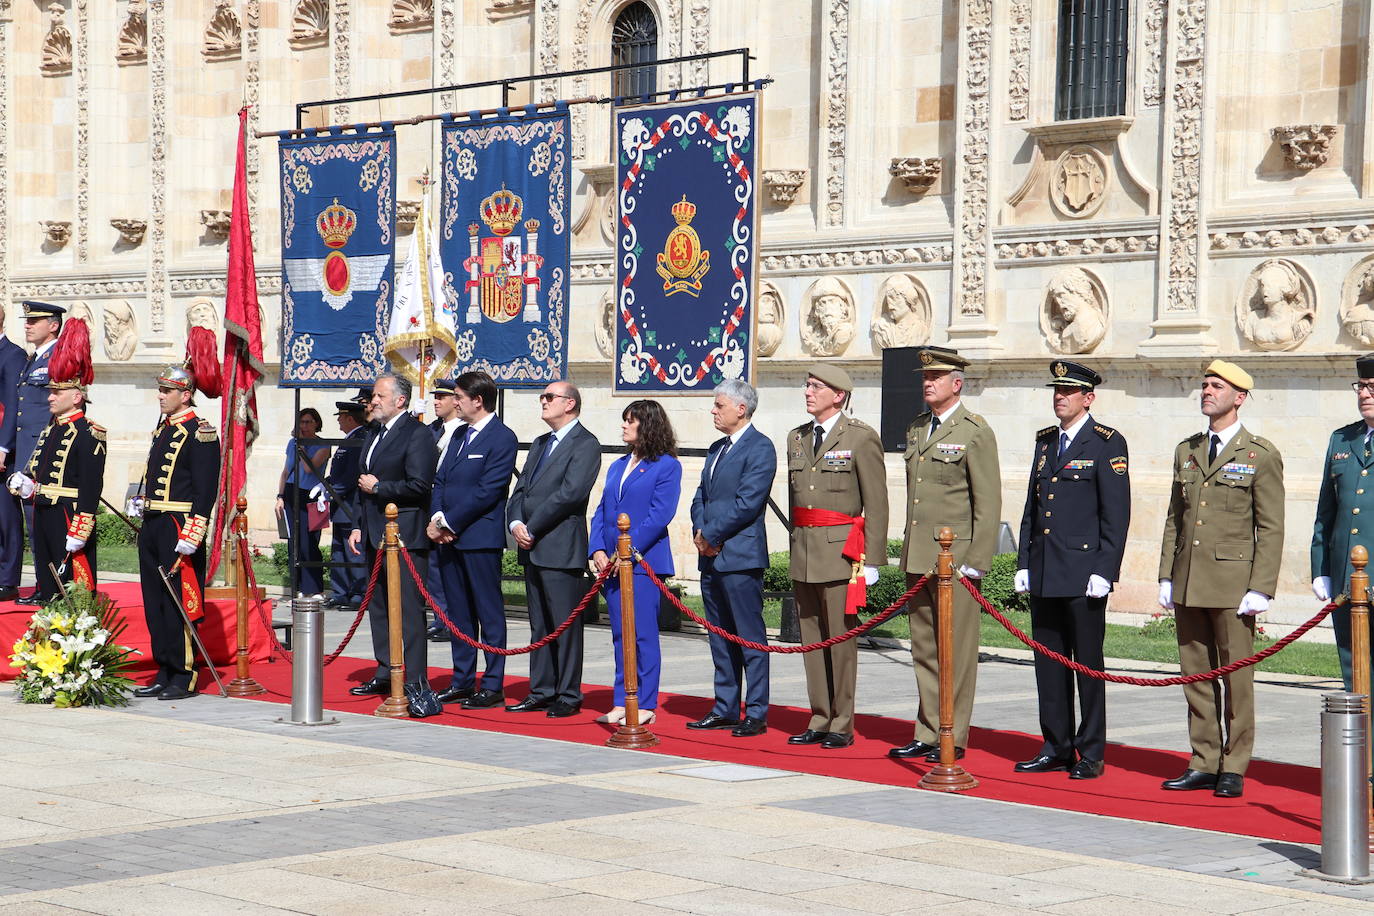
column 299, row 476
column 643, row 484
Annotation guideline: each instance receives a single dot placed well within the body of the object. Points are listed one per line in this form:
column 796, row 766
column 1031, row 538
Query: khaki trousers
column 1221, row 713
column 925, row 659
column 830, row 673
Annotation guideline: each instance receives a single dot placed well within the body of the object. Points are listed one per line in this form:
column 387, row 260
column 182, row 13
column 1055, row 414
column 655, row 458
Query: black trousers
column 1074, row 627
column 556, row 669
column 171, row 643
column 412, row 618
column 50, row 549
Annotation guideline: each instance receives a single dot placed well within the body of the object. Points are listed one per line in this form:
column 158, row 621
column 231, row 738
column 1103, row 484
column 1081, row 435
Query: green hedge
column 996, row 585
column 111, row 530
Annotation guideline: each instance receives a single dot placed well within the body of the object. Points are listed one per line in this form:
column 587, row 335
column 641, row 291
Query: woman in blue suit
column 643, row 484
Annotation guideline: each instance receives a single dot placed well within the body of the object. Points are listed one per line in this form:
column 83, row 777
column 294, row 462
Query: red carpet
column 216, row 631
column 1281, row 801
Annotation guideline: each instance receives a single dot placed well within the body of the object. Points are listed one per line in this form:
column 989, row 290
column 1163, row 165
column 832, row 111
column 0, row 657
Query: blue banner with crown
column 686, row 244
column 504, row 242
column 338, row 207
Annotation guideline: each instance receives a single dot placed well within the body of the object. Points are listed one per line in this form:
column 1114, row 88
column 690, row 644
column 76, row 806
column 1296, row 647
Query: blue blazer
column 12, row 360
column 730, row 504
column 650, row 499
column 343, row 475
column 30, row 408
column 471, row 485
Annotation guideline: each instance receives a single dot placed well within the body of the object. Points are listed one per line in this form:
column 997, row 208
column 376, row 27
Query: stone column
column 6, row 116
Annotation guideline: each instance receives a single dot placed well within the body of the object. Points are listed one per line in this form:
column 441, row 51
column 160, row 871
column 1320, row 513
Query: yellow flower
column 62, row 623
column 50, row 659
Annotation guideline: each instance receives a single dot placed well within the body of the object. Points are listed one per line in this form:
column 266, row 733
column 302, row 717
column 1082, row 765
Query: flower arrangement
column 69, row 656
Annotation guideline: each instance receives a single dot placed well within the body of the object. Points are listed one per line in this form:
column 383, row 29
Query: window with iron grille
column 634, row 40
column 1093, row 52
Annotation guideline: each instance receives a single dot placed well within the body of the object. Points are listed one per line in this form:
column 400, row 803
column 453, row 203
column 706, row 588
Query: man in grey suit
column 547, row 514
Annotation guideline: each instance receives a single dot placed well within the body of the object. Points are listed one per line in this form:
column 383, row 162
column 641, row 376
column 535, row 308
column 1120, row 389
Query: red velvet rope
column 1145, row 681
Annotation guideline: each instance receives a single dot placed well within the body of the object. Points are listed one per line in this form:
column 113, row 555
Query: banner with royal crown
column 504, row 242
column 688, row 231
column 338, row 206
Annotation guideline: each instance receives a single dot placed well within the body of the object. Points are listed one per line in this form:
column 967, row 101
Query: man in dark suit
column 547, row 514
column 397, row 466
column 346, row 583
column 469, row 527
column 12, row 360
column 728, row 530
column 1073, row 533
column 445, row 421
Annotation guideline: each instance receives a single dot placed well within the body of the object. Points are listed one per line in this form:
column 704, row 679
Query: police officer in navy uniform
column 1073, row 534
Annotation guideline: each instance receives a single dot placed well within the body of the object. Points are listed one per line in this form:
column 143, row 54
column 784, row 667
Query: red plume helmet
column 70, row 366
column 202, row 360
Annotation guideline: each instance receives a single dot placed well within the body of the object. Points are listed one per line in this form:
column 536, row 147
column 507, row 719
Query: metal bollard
column 307, row 662
column 1345, row 786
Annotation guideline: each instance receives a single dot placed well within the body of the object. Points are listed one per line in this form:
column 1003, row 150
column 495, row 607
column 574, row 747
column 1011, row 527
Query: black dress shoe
column 1190, row 780
column 1087, row 769
column 835, row 740
column 175, row 693
column 1230, row 785
column 934, row 756
column 377, row 687
column 9, row 593
column 560, row 710
column 714, row 721
column 422, row 702
column 810, row 736
column 453, row 693
column 750, row 727
column 529, row 704
column 1044, row 763
column 914, row 749
column 149, row 690
column 29, row 599
column 437, row 634
column 484, row 699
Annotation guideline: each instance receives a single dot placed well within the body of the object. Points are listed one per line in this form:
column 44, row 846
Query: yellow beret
column 1230, row 373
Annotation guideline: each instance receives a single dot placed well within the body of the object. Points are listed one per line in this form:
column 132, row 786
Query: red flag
column 243, row 366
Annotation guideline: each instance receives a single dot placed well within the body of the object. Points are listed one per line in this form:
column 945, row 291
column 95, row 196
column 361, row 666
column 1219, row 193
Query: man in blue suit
column 446, row 420
column 728, row 529
column 346, row 583
column 469, row 527
column 12, row 360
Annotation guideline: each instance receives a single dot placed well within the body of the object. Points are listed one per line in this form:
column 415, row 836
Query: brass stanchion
column 947, row 775
column 243, row 685
column 394, row 706
column 631, row 735
column 1359, row 646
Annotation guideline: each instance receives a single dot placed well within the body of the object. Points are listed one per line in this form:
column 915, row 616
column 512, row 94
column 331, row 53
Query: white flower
column 97, row 673
column 732, row 361
column 736, row 121
column 630, row 369
column 632, row 136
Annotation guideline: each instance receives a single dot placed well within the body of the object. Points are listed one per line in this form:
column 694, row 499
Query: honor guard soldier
column 1073, row 534
column 953, row 481
column 1346, row 492
column 1218, row 568
column 837, row 488
column 29, row 416
column 64, row 476
column 178, row 496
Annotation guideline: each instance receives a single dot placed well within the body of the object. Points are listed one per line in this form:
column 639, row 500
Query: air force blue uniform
column 12, row 362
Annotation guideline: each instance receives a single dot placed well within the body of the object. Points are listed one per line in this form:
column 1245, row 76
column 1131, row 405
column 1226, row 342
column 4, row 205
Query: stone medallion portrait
column 82, row 309
column 1357, row 302
column 827, row 326
column 202, row 313
column 1278, row 306
column 1078, row 182
column 1073, row 315
column 901, row 314
column 771, row 318
column 605, row 324
column 121, row 330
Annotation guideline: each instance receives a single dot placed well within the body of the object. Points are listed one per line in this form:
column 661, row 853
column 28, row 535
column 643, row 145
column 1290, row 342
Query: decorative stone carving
column 508, row 9
column 669, row 32
column 120, row 330
column 605, row 324
column 835, row 107
column 1078, row 183
column 916, row 174
column 1018, row 76
column 57, row 231
column 971, row 242
column 547, row 14
column 81, row 309
column 1151, row 48
column 57, row 44
column 1278, row 307
column 411, row 16
column 342, row 55
column 1074, row 313
column 81, row 65
column 1183, row 152
column 1305, row 146
column 901, row 316
column 407, row 212
column 1357, row 302
column 132, row 45
column 783, row 184
column 224, row 34
column 310, row 24
column 701, row 39
column 828, row 325
column 216, row 223
column 158, row 144
column 201, row 312
column 858, row 257
column 772, row 316
column 130, row 230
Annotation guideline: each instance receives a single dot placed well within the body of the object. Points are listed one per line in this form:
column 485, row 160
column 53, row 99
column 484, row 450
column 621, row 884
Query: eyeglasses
column 1362, row 387
column 815, row 386
column 548, row 398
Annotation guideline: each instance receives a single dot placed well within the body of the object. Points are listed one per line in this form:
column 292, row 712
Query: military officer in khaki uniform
column 1218, row 568
column 837, row 489
column 953, row 480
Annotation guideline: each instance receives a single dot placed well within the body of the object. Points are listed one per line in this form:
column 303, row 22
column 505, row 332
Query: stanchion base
column 632, row 738
column 243, row 687
column 952, row 778
column 294, row 722
column 393, row 708
column 1337, row 879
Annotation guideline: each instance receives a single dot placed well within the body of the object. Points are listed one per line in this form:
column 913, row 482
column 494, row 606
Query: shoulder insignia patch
column 1119, row 464
column 1263, row 443
column 859, row 424
column 1106, row 432
column 98, row 432
column 976, row 419
column 206, row 433
column 1047, row 431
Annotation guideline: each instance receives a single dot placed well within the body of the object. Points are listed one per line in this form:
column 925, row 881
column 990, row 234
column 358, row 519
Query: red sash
column 191, row 599
column 856, row 596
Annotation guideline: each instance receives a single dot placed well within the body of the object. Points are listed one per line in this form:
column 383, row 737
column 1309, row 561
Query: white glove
column 1321, row 587
column 871, row 575
column 75, row 545
column 134, row 509
column 1022, row 581
column 1166, row 594
column 1098, row 587
column 968, row 572
column 419, row 406
column 321, row 498
column 185, row 547
column 1252, row 604
column 21, row 485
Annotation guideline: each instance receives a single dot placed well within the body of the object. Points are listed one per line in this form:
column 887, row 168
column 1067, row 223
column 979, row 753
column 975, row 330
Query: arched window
column 634, row 40
column 1093, row 51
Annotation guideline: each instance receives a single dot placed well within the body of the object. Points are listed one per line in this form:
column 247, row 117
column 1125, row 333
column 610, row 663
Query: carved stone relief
column 971, row 194
column 1357, row 302
column 772, row 317
column 1240, row 242
column 82, row 68
column 56, row 232
column 1078, row 183
column 130, row 230
column 1074, row 313
column 508, row 9
column 605, row 324
column 120, row 331
column 411, row 16
column 132, row 46
column 783, row 184
column 1151, row 49
column 828, row 318
column 216, row 223
column 916, row 174
column 57, row 44
column 835, row 107
column 901, row 316
column 224, row 33
column 1018, row 76
column 81, row 309
column 201, row 312
column 1091, row 246
column 407, row 212
column 1183, row 146
column 1278, row 307
column 310, row 24
column 342, row 32
column 157, row 180
column 1305, row 146
column 547, row 14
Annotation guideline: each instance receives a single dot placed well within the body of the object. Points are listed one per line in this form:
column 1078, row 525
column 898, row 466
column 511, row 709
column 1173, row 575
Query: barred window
column 1093, row 52
column 634, row 40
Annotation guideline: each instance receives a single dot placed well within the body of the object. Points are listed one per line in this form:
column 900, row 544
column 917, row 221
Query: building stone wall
column 909, row 145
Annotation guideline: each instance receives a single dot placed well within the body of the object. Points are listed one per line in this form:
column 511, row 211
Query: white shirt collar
column 734, row 436
column 944, row 417
column 1226, row 434
column 39, row 351
column 828, row 425
column 391, row 424
column 558, row 434
column 450, row 425
column 481, row 424
column 1073, row 431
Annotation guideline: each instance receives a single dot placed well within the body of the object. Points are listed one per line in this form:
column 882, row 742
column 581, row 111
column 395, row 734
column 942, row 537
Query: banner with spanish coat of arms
column 686, row 244
column 338, row 207
column 504, row 241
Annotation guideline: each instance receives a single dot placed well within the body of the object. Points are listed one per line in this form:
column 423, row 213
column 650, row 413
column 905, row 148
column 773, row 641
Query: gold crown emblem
column 926, row 357
column 336, row 224
column 501, row 211
column 684, row 210
column 1060, row 370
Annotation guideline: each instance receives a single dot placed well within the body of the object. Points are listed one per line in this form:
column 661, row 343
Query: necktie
column 467, row 439
column 381, row 434
column 934, row 425
column 548, row 449
column 1063, row 443
column 819, row 435
column 720, row 456
column 1212, row 449
column 1367, row 451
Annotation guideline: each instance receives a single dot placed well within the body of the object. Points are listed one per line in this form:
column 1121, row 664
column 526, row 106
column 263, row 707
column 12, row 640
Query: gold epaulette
column 206, row 433
column 98, row 431
column 1045, row 432
column 1106, row 432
